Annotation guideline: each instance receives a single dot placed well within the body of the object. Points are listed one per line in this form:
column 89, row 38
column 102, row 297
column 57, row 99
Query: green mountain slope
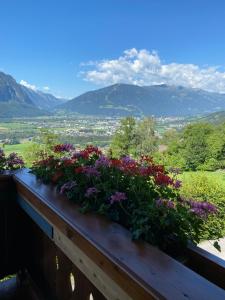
column 160, row 100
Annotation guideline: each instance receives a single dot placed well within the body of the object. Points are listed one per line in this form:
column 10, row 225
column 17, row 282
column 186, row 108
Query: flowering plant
column 138, row 194
column 10, row 162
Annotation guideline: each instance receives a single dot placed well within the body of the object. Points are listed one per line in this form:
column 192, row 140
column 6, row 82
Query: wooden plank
column 207, row 264
column 9, row 259
column 142, row 271
column 93, row 272
column 35, row 216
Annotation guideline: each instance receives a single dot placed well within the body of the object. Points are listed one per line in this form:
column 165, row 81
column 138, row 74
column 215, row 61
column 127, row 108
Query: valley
column 78, row 130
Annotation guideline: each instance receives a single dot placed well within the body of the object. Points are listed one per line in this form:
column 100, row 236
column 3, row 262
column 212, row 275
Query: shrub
column 138, row 194
column 201, row 186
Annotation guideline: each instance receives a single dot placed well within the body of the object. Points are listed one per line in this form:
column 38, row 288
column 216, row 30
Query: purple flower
column 117, row 197
column 91, row 191
column 159, row 202
column 202, row 209
column 63, row 148
column 128, row 160
column 68, row 186
column 91, row 171
column 165, row 202
column 177, row 184
column 102, row 161
column 170, row 204
column 14, row 161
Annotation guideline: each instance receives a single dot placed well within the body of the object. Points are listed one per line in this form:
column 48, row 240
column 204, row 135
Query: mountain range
column 17, row 100
column 157, row 100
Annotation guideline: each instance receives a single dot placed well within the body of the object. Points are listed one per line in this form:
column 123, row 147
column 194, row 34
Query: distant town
column 75, row 129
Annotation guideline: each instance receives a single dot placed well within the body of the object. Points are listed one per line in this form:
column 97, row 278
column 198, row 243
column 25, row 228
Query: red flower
column 79, row 170
column 69, row 162
column 92, row 149
column 84, row 154
column 63, row 148
column 163, row 179
column 115, row 162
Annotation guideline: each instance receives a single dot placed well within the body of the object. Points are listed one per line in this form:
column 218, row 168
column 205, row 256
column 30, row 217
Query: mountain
column 43, row 100
column 157, row 100
column 215, row 118
column 19, row 101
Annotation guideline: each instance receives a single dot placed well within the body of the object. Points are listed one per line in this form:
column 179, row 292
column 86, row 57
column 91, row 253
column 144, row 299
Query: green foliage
column 41, row 147
column 198, row 146
column 195, row 147
column 134, row 138
column 145, row 141
column 123, row 140
column 203, row 186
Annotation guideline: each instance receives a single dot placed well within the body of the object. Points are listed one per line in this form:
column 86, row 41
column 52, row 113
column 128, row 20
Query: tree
column 145, row 140
column 134, row 138
column 122, row 143
column 41, row 147
column 195, row 144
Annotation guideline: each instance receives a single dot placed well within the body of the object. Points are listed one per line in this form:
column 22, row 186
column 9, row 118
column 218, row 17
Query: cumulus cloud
column 143, row 67
column 28, row 85
column 46, row 88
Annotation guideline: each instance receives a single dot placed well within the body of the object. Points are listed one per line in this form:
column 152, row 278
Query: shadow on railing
column 73, row 256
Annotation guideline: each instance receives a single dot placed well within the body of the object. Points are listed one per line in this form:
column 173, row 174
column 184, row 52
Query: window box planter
column 114, row 266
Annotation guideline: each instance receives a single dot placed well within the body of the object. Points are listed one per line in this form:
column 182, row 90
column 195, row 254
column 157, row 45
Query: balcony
column 59, row 253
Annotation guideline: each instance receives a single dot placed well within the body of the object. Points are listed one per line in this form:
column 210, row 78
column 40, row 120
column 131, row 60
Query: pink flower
column 117, row 197
column 91, row 191
column 63, row 148
column 91, row 171
column 14, row 161
column 68, row 186
column 102, row 161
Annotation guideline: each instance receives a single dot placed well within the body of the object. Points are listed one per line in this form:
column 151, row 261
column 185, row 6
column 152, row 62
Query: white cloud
column 46, row 88
column 28, row 85
column 143, row 67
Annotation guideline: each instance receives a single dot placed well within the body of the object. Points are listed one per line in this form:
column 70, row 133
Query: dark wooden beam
column 142, row 271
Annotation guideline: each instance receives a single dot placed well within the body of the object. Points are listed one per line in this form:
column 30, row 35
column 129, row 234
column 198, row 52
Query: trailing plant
column 138, row 194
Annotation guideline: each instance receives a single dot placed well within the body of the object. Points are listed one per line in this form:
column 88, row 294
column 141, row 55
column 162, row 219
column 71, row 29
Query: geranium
column 177, row 184
column 138, row 194
column 163, row 179
column 117, row 197
column 165, row 202
column 12, row 162
column 68, row 186
column 91, row 191
column 202, row 208
column 79, row 170
column 81, row 154
column 91, row 171
column 92, row 149
column 63, row 148
column 102, row 161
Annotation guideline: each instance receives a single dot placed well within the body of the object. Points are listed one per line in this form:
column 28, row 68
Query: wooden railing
column 70, row 255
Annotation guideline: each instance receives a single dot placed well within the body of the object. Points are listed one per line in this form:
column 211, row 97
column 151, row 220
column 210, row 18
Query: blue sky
column 49, row 43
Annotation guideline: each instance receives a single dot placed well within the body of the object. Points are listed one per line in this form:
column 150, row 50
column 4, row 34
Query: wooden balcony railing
column 70, row 255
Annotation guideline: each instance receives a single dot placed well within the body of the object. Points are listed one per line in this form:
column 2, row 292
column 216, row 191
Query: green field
column 18, row 148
